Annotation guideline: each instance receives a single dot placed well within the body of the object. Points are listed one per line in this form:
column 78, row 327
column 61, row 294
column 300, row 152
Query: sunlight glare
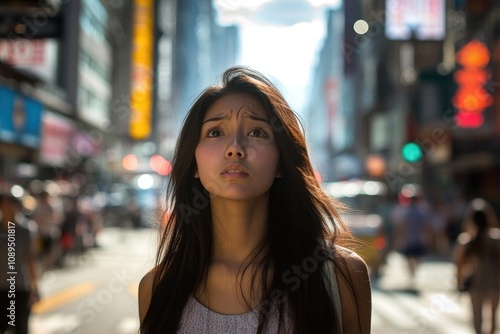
column 325, row 3
column 288, row 54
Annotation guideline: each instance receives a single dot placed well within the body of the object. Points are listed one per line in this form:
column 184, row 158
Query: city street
column 430, row 306
column 98, row 293
column 391, row 106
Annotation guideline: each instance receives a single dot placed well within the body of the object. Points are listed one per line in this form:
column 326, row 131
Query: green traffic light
column 411, row 152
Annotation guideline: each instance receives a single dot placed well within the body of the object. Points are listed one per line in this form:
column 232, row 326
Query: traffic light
column 412, row 152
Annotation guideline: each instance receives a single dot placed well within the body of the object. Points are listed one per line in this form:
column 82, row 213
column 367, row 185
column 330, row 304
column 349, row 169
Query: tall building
column 56, row 69
column 344, row 92
column 325, row 108
column 201, row 50
column 37, row 113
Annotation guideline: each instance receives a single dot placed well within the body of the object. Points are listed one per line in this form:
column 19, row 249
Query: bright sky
column 280, row 38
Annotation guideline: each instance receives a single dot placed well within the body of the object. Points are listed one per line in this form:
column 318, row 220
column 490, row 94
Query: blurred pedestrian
column 412, row 232
column 477, row 260
column 248, row 247
column 74, row 228
column 439, row 218
column 45, row 216
column 88, row 207
column 385, row 209
column 18, row 276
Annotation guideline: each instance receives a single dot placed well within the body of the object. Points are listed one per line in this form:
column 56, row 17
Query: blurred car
column 363, row 197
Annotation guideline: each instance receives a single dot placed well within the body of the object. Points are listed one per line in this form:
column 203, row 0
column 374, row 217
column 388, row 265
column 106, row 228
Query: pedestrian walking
column 412, row 230
column 74, row 228
column 477, row 259
column 49, row 232
column 18, row 275
column 249, row 247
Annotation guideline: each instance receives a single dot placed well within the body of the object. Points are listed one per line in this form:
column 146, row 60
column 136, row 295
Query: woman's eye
column 214, row 133
column 258, row 133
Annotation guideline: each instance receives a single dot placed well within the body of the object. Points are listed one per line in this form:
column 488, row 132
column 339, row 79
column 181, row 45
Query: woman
column 477, row 260
column 247, row 247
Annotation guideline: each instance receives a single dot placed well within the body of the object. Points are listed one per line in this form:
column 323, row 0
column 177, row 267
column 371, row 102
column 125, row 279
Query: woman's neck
column 238, row 229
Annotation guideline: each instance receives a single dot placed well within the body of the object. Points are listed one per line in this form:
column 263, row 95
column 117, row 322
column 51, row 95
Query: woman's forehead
column 236, row 104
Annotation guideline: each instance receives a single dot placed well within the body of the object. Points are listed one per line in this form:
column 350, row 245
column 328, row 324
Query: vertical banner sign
column 141, row 98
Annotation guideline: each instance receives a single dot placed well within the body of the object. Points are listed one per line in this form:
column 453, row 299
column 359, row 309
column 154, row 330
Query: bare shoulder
column 145, row 292
column 353, row 262
column 355, row 270
column 355, row 291
column 146, row 283
column 463, row 238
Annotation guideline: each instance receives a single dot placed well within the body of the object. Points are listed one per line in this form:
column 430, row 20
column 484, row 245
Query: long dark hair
column 301, row 217
column 481, row 218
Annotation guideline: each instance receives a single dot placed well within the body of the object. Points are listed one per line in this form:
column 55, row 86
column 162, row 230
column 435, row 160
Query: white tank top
column 197, row 318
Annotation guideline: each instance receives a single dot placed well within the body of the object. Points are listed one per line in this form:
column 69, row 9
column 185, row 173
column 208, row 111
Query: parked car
column 362, row 197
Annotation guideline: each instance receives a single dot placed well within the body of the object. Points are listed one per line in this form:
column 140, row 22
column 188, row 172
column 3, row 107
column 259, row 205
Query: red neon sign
column 471, row 98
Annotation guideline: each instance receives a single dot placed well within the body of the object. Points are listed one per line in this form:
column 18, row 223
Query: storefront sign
column 35, row 56
column 56, row 137
column 19, row 118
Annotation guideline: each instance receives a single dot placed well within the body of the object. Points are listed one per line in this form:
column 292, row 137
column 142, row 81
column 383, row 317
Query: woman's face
column 237, row 156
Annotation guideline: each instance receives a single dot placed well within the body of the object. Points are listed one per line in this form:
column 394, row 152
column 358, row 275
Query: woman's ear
column 278, row 174
column 196, row 175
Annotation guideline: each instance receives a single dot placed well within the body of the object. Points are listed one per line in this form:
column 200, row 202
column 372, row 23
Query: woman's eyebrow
column 258, row 118
column 215, row 118
column 249, row 115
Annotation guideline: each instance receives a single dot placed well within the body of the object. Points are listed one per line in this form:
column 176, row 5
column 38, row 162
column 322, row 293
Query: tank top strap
column 332, row 288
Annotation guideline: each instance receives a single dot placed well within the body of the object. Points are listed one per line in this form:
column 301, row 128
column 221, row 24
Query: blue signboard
column 20, row 118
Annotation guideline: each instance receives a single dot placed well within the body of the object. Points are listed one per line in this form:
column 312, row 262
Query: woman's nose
column 236, row 149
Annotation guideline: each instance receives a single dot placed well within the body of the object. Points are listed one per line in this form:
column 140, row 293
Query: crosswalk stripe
column 447, row 314
column 129, row 325
column 54, row 323
column 63, row 297
column 436, row 312
column 385, row 309
column 429, row 311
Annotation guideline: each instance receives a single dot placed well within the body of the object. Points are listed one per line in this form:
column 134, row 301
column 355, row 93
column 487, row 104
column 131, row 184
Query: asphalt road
column 98, row 293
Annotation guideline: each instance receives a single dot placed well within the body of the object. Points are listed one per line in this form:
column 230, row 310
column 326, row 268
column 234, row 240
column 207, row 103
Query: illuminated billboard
column 424, row 19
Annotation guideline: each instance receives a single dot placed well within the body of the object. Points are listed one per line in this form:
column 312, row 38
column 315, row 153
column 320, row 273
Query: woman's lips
column 234, row 170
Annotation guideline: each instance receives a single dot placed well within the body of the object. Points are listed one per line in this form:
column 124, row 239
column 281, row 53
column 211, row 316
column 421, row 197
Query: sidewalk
column 435, row 273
